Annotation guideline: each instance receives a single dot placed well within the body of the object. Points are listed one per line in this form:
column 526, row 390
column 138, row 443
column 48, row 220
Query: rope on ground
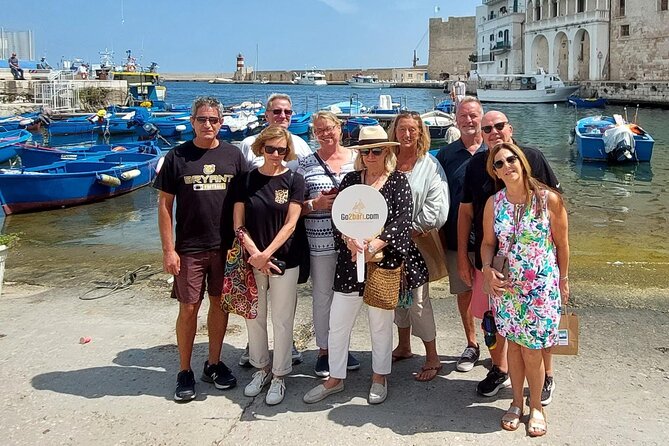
column 123, row 283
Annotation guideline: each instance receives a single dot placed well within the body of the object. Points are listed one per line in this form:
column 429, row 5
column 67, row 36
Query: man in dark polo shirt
column 478, row 187
column 454, row 158
column 197, row 175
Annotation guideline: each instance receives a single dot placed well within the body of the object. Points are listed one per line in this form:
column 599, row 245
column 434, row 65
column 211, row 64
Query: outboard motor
column 619, row 144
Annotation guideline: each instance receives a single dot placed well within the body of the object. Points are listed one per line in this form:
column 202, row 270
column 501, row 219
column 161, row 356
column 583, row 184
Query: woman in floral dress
column 527, row 222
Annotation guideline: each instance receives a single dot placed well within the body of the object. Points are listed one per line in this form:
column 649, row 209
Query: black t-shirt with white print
column 200, row 180
column 266, row 199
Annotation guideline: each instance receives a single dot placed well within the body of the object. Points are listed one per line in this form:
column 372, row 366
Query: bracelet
column 484, row 265
column 565, row 278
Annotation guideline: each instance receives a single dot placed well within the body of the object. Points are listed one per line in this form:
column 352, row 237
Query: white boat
column 367, row 81
column 535, row 88
column 221, row 80
column 310, row 78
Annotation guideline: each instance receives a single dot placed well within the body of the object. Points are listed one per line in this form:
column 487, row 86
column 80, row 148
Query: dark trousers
column 17, row 73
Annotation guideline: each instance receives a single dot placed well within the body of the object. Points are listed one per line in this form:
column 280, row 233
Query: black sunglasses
column 509, row 160
column 499, row 127
column 280, row 150
column 212, row 119
column 377, row 151
column 278, row 111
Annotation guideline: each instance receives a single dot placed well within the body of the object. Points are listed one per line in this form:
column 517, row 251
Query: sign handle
column 360, row 263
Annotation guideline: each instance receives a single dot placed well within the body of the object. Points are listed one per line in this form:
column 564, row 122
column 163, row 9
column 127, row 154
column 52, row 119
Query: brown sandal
column 435, row 369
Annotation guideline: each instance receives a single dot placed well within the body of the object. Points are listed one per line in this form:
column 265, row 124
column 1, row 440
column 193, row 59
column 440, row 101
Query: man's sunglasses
column 280, row 150
column 499, row 127
column 212, row 119
column 509, row 160
column 376, row 152
column 278, row 111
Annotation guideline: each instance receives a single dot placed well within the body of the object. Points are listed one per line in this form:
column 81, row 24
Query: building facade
column 639, row 37
column 20, row 42
column 499, row 34
column 451, row 44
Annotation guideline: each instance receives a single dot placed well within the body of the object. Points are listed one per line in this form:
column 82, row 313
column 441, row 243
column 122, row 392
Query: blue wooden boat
column 121, row 121
column 170, row 126
column 29, row 121
column 40, row 156
column 350, row 107
column 446, row 106
column 10, row 143
column 601, row 138
column 351, row 127
column 72, row 126
column 299, row 123
column 70, row 183
column 579, row 102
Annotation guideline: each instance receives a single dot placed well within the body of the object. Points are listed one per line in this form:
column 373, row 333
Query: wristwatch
column 310, row 205
column 371, row 249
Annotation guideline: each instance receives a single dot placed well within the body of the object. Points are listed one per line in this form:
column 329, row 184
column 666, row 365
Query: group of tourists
column 490, row 197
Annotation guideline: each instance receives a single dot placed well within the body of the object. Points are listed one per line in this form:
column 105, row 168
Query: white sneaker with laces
column 260, row 379
column 275, row 392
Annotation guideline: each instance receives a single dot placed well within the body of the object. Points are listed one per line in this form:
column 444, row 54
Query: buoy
column 130, row 174
column 118, row 149
column 108, row 180
column 180, row 128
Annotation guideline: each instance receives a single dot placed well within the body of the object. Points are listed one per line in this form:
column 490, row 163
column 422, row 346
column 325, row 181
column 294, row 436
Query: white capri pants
column 283, row 293
column 343, row 313
column 322, row 279
column 420, row 316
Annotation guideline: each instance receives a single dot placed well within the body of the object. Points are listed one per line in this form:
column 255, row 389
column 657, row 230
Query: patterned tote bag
column 240, row 292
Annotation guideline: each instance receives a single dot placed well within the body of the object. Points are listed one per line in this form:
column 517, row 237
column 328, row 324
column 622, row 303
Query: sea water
column 618, row 220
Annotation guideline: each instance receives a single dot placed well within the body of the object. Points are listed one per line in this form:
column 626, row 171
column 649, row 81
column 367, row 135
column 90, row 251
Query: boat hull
column 549, row 95
column 11, row 142
column 69, row 184
column 374, row 85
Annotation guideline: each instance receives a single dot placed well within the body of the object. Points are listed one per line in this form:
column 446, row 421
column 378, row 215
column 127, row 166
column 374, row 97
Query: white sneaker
column 244, row 359
column 260, row 379
column 275, row 392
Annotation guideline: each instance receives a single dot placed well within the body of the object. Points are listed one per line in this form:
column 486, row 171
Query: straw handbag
column 382, row 287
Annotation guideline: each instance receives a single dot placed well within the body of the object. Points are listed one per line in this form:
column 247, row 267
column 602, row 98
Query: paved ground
column 117, row 389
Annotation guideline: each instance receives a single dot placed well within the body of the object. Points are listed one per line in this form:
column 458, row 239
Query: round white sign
column 359, row 212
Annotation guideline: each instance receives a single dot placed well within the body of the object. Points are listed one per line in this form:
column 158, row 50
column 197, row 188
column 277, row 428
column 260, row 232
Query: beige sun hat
column 371, row 136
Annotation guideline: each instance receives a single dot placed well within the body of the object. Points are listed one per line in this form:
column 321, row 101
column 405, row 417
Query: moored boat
column 39, row 156
column 70, row 183
column 579, row 102
column 299, row 123
column 523, row 88
column 367, row 81
column 437, row 123
column 11, row 142
column 310, row 78
column 605, row 138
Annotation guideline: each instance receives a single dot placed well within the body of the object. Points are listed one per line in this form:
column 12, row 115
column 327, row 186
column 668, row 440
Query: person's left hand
column 259, row 260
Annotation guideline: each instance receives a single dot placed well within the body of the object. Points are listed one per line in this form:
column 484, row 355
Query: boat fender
column 118, row 149
column 108, row 180
column 180, row 128
column 130, row 174
column 572, row 136
column 25, row 122
column 160, row 164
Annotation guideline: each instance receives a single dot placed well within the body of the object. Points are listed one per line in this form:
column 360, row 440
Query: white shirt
column 301, row 147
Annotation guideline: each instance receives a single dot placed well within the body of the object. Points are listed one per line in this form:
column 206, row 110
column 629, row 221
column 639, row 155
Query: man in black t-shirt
column 198, row 174
column 478, row 187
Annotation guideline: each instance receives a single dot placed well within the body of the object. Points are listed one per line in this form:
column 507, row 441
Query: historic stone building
column 451, row 43
column 639, row 40
column 499, row 34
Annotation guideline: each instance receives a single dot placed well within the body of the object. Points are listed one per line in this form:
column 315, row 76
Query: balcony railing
column 500, row 46
column 580, row 18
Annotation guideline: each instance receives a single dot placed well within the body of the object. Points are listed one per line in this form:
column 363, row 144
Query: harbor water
column 619, row 225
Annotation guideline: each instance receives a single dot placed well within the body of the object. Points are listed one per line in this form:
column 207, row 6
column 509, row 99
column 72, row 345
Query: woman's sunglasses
column 280, row 150
column 376, row 152
column 499, row 127
column 509, row 160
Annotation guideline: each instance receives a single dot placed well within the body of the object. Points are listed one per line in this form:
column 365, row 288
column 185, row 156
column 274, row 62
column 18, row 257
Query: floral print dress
column 528, row 313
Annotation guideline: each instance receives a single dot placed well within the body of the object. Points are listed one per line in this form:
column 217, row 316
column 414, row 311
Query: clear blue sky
column 206, row 35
